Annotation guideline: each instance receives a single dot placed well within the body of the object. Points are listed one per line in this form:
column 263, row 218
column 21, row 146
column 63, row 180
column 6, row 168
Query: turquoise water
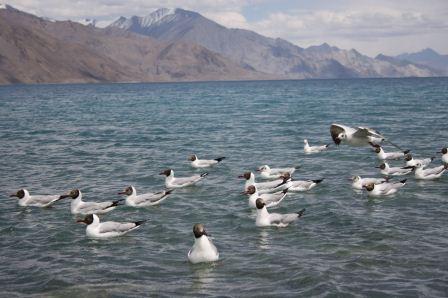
column 101, row 138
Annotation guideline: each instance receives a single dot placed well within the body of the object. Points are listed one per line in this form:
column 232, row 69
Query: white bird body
column 313, row 149
column 394, row 171
column 382, row 155
column 267, row 173
column 266, row 219
column 25, row 199
column 108, row 229
column 411, row 162
column 302, row 185
column 384, row 189
column 203, row 249
column 360, row 136
column 422, row 173
column 204, row 163
column 359, row 183
column 78, row 206
column 270, row 199
column 174, row 182
column 144, row 200
column 262, row 187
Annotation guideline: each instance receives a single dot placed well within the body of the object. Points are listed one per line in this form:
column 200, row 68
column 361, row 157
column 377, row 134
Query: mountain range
column 172, row 45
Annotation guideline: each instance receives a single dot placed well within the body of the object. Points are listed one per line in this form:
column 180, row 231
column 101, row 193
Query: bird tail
column 406, row 151
column 138, row 223
column 219, row 159
column 168, row 191
column 204, row 174
column 297, row 167
column 301, row 212
column 116, row 203
column 317, row 181
column 403, row 181
column 285, row 190
column 328, row 145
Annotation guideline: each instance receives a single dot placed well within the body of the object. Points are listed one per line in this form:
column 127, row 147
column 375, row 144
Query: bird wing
column 91, row 207
column 149, row 197
column 434, row 171
column 117, row 227
column 187, row 180
column 363, row 132
column 43, row 200
column 273, row 199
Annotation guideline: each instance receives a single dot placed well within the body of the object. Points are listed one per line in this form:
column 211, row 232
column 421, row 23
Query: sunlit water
column 102, row 138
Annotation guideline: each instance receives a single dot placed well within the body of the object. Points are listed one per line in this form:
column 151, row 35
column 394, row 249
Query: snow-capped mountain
column 154, row 18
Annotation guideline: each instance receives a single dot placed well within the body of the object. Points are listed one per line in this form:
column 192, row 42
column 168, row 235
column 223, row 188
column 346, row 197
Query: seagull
column 143, row 200
column 266, row 219
column 270, row 199
column 172, row 182
column 411, row 162
column 385, row 188
column 429, row 174
column 25, row 199
column 78, row 206
column 359, row 136
column 203, row 163
column 267, row 173
column 299, row 185
column 203, row 249
column 389, row 155
column 262, row 187
column 359, row 183
column 394, row 171
column 107, row 229
column 313, row 149
column 444, row 152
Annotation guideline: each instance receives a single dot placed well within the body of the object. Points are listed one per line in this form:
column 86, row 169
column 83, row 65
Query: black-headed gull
column 422, row 173
column 382, row 155
column 384, row 189
column 172, row 182
column 394, row 171
column 274, row 173
column 313, row 149
column 270, row 199
column 203, row 163
column 25, row 199
column 444, row 152
column 143, row 200
column 359, row 136
column 266, row 219
column 203, row 249
column 107, row 229
column 78, row 206
column 262, row 187
column 359, row 183
column 299, row 185
column 411, row 162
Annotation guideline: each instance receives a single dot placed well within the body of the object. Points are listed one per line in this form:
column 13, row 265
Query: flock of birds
column 278, row 182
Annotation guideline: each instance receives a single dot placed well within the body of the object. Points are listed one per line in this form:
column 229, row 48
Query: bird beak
column 258, row 170
column 81, row 221
column 64, row 196
column 240, row 176
column 377, row 167
column 244, row 193
column 122, row 193
column 206, row 234
column 13, row 195
column 161, row 173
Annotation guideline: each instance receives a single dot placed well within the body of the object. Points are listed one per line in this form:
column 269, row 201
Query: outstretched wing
column 363, row 132
column 336, row 130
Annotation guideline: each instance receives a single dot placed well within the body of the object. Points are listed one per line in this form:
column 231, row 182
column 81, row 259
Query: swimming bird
column 411, row 162
column 266, row 219
column 203, row 163
column 107, row 229
column 313, row 149
column 172, row 182
column 270, row 199
column 444, row 152
column 394, row 171
column 262, row 187
column 25, row 199
column 267, row 173
column 422, row 173
column 143, row 200
column 382, row 155
column 299, row 185
column 359, row 183
column 203, row 249
column 359, row 136
column 78, row 206
column 385, row 188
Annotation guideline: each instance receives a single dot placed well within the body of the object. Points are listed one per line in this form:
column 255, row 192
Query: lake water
column 102, row 138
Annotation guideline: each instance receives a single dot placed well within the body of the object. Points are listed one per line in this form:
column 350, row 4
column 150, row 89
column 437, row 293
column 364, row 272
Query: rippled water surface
column 101, row 138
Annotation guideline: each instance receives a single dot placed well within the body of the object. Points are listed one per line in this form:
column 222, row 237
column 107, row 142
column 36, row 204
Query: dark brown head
column 377, row 149
column 382, row 166
column 128, row 191
column 87, row 220
column 444, row 150
column 286, row 176
column 250, row 190
column 20, row 194
column 260, row 203
column 192, row 157
column 408, row 157
column 369, row 187
column 74, row 193
column 199, row 230
column 245, row 175
column 167, row 172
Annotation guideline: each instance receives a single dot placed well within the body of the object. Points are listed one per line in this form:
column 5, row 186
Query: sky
column 389, row 27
